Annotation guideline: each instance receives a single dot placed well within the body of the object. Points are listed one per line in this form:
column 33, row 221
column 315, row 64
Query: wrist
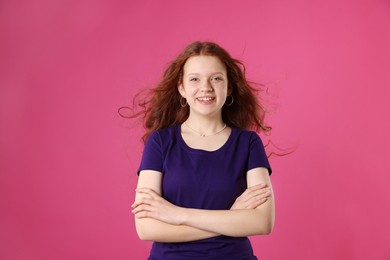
column 184, row 216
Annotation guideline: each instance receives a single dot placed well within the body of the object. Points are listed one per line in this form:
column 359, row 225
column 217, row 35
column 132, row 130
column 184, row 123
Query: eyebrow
column 196, row 74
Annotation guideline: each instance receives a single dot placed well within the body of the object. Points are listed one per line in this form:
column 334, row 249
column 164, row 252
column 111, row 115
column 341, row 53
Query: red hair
column 162, row 106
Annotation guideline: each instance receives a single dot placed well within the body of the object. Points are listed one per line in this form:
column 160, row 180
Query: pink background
column 68, row 162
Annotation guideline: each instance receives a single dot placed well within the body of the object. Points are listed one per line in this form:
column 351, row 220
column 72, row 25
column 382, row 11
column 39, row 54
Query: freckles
column 193, row 90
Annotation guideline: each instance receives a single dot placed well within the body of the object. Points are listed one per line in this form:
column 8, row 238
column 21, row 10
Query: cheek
column 191, row 90
column 185, row 90
column 223, row 90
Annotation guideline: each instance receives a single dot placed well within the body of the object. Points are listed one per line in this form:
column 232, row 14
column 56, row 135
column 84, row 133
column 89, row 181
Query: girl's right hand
column 252, row 197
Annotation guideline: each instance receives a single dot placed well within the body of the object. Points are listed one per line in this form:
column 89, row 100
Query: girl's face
column 204, row 85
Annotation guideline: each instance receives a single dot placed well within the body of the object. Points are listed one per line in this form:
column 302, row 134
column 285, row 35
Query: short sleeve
column 257, row 154
column 152, row 158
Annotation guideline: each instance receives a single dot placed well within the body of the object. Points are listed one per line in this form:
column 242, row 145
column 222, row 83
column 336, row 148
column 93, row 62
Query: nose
column 206, row 86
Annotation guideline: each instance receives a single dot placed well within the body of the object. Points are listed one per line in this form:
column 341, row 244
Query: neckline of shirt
column 194, row 150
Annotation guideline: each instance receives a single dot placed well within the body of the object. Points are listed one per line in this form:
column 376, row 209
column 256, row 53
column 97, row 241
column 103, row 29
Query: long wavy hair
column 161, row 106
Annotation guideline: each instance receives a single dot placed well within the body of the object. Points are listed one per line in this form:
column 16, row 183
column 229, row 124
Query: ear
column 181, row 90
column 229, row 91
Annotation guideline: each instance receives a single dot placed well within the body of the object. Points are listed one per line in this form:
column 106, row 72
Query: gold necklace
column 204, row 135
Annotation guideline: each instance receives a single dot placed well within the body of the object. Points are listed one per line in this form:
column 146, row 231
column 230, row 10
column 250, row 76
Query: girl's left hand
column 152, row 205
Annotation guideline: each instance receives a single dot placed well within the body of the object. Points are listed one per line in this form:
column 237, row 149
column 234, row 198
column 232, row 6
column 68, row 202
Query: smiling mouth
column 205, row 98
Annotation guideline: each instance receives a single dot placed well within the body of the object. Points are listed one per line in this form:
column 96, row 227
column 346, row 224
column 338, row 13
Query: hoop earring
column 181, row 102
column 230, row 103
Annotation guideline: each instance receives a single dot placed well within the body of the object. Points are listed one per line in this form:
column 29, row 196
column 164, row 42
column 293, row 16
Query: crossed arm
column 159, row 220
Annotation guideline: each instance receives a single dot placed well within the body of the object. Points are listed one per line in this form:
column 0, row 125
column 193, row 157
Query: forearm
column 159, row 220
column 235, row 223
column 155, row 230
column 241, row 222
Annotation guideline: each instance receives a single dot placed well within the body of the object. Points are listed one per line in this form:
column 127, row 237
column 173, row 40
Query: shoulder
column 165, row 132
column 247, row 139
column 251, row 142
column 164, row 136
column 247, row 135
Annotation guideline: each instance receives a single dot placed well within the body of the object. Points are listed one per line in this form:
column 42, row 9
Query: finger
column 144, row 190
column 145, row 214
column 255, row 203
column 142, row 207
column 261, row 196
column 265, row 191
column 141, row 201
column 142, row 195
column 257, row 186
column 254, row 188
column 141, row 215
column 148, row 191
column 256, row 195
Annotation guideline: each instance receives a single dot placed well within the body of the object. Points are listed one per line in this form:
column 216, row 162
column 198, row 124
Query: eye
column 194, row 79
column 217, row 78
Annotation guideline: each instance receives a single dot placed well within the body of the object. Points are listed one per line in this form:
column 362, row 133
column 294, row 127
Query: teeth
column 205, row 99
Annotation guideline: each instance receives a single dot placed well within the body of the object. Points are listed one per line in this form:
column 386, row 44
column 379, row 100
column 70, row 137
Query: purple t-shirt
column 195, row 178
